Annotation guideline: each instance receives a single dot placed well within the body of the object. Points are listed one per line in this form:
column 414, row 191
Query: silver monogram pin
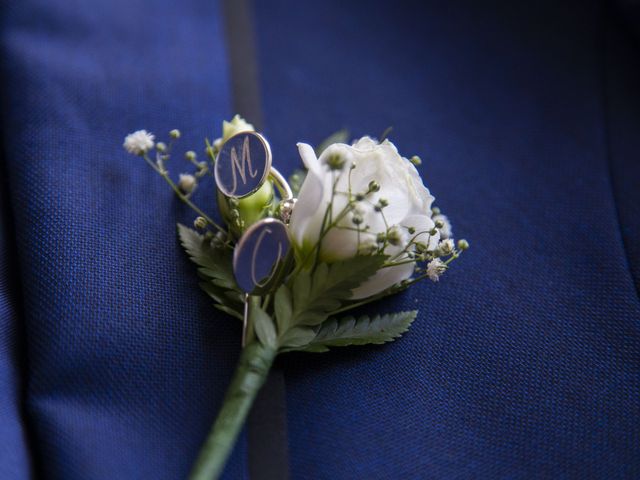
column 259, row 260
column 260, row 256
column 243, row 164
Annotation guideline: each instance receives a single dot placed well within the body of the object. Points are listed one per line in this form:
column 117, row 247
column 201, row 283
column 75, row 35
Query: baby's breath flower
column 421, row 247
column 139, row 143
column 187, row 183
column 446, row 246
column 367, row 247
column 175, row 133
column 394, row 235
column 445, row 229
column 435, row 268
column 374, row 186
column 190, row 155
column 335, row 162
column 200, row 222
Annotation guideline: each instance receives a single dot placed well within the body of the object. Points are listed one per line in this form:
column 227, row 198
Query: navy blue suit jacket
column 524, row 361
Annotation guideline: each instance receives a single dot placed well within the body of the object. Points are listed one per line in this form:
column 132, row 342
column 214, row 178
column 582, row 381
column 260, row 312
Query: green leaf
column 264, row 327
column 215, row 263
column 364, row 330
column 283, row 307
column 230, row 311
column 215, row 268
column 317, row 294
column 297, row 337
column 341, row 136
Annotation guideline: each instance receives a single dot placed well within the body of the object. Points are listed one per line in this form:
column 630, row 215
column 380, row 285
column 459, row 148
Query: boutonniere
column 292, row 259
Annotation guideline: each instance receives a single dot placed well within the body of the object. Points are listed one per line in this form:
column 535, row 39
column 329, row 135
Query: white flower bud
column 445, row 247
column 445, row 229
column 187, row 183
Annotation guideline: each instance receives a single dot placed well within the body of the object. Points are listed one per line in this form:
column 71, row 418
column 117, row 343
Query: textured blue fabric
column 14, row 461
column 127, row 363
column 622, row 100
column 524, row 360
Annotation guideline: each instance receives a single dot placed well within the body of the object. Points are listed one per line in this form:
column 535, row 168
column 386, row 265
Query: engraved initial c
column 256, row 248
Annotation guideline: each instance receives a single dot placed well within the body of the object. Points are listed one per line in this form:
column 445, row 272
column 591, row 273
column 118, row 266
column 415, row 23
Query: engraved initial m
column 239, row 166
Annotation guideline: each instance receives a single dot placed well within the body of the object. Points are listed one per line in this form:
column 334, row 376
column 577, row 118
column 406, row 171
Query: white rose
column 409, row 206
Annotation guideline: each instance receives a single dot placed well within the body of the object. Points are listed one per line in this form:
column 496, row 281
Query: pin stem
column 245, row 320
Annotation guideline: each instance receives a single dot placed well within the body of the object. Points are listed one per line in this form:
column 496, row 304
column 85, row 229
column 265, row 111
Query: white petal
column 309, row 158
column 385, row 278
column 306, row 218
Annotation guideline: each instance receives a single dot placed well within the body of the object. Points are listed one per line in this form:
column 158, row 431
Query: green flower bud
column 416, row 160
column 200, row 222
column 394, row 236
column 421, row 247
column 161, row 147
column 236, row 125
column 374, row 186
column 335, row 162
column 463, row 244
column 175, row 134
column 241, row 213
column 190, row 155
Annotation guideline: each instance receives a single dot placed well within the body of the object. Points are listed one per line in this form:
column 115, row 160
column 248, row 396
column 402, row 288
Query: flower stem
column 251, row 373
column 165, row 175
